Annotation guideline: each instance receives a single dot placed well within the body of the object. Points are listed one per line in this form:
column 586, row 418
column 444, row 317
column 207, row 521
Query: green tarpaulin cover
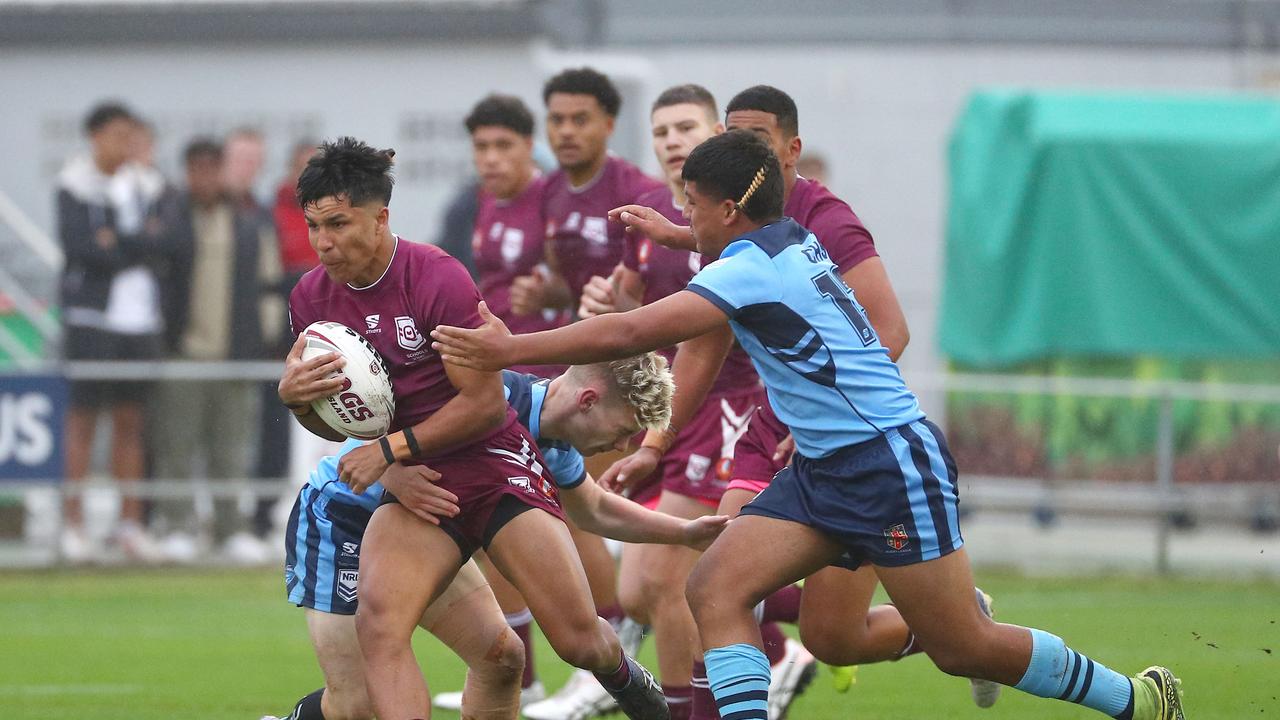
column 1094, row 225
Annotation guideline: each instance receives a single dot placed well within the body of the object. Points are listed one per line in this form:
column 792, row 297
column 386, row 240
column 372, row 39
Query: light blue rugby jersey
column 525, row 393
column 829, row 379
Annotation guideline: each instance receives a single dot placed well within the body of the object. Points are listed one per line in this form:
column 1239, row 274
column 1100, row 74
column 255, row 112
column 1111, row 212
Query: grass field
column 220, row 645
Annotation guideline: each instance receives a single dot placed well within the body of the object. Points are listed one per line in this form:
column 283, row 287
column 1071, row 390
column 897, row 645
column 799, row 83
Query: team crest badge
column 724, row 469
column 407, row 334
column 896, row 537
column 697, row 467
column 348, row 580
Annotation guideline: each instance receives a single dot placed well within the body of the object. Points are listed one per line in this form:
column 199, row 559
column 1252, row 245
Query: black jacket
column 248, row 286
column 92, row 242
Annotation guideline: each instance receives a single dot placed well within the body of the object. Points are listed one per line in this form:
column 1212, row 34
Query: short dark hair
column 740, row 166
column 506, row 111
column 201, row 148
column 682, row 94
column 585, row 81
column 348, row 168
column 769, row 99
column 104, row 113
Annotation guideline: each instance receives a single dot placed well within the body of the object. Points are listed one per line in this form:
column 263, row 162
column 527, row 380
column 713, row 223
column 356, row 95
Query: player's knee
column 832, row 643
column 646, row 592
column 504, row 659
column 952, row 660
column 582, row 645
column 707, row 595
column 373, row 629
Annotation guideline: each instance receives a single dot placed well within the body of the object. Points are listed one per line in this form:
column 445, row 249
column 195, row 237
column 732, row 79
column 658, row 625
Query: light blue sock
column 1056, row 671
column 739, row 676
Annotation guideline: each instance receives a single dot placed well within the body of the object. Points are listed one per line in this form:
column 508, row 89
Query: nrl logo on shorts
column 407, row 334
column 522, row 482
column 896, row 537
column 348, row 580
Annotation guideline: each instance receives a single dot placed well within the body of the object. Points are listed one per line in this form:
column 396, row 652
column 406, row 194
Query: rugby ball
column 364, row 407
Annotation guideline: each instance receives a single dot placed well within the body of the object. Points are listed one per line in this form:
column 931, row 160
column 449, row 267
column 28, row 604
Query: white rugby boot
column 789, row 678
column 581, row 698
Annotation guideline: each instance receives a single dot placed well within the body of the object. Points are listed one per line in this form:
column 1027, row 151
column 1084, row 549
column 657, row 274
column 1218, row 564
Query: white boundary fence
column 1157, row 498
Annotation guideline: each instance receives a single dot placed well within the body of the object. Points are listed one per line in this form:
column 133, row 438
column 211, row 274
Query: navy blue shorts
column 322, row 552
column 890, row 501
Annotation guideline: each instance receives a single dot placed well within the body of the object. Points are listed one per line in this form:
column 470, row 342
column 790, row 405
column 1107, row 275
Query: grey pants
column 209, row 426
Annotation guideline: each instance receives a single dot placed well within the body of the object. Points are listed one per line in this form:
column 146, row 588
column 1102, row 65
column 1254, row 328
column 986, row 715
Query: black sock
column 308, row 708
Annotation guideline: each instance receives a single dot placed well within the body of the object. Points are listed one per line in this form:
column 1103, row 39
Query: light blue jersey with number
column 829, row 378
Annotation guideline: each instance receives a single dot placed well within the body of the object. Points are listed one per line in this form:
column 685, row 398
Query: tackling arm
column 671, row 320
column 613, row 516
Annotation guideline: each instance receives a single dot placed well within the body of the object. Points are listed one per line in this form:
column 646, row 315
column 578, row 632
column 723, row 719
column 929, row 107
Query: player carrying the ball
column 453, row 419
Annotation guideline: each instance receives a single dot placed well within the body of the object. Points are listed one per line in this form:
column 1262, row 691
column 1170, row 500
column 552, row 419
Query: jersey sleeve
column 567, row 467
column 300, row 313
column 450, row 298
column 846, row 239
column 742, row 277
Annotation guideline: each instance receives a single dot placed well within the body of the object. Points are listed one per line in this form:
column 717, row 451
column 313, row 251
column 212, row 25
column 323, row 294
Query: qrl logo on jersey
column 407, row 334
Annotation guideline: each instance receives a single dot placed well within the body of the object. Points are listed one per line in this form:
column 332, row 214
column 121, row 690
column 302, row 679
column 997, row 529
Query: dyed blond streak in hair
column 646, row 384
column 756, row 182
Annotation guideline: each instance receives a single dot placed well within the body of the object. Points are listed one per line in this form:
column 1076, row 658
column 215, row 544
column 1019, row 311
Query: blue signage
column 32, row 410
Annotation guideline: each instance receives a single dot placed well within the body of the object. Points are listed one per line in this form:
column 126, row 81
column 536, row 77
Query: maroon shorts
column 507, row 465
column 703, row 458
column 753, row 458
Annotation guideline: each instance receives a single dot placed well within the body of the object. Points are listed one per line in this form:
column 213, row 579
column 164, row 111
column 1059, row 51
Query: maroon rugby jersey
column 508, row 243
column 423, row 287
column 666, row 271
column 838, row 229
column 584, row 241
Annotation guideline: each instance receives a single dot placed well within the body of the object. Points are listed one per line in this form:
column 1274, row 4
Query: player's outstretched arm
column 491, row 346
column 613, row 516
column 655, row 226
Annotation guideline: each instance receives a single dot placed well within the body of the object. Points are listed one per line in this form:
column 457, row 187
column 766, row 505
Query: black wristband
column 412, row 442
column 296, row 406
column 385, row 444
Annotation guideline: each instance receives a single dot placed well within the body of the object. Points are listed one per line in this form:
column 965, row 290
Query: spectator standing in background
column 296, row 258
column 458, row 225
column 221, row 306
column 296, row 254
column 243, row 158
column 813, row 166
column 243, row 154
column 108, row 222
